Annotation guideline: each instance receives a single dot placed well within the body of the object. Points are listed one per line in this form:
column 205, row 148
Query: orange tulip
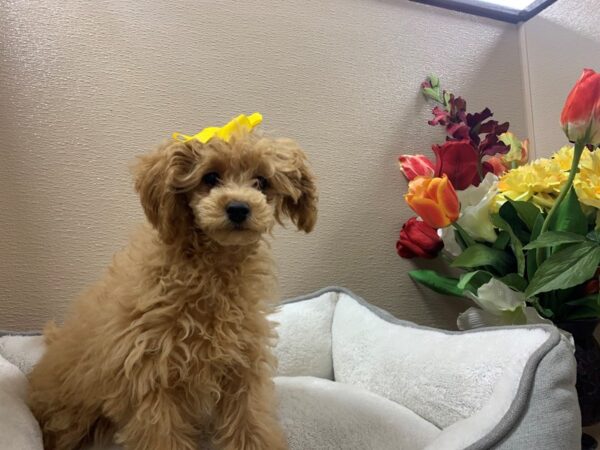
column 580, row 116
column 434, row 199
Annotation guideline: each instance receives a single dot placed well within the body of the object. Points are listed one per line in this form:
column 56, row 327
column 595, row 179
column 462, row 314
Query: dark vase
column 587, row 354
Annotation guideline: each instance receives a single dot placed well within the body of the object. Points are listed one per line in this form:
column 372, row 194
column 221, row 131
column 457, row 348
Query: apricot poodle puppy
column 173, row 344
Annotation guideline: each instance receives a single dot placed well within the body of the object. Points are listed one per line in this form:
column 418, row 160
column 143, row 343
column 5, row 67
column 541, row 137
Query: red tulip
column 434, row 199
column 580, row 116
column 458, row 160
column 417, row 239
column 415, row 165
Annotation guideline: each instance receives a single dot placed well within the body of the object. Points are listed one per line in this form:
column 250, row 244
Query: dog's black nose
column 238, row 211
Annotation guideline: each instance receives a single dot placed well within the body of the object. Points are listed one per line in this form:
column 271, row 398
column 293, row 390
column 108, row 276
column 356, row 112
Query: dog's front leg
column 158, row 423
column 246, row 417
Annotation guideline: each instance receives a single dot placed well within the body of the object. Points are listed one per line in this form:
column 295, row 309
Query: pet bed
column 353, row 377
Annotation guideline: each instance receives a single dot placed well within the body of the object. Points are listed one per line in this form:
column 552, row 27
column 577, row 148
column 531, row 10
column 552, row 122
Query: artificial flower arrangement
column 526, row 236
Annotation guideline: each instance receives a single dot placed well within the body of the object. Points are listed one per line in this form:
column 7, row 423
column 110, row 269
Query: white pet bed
column 353, row 377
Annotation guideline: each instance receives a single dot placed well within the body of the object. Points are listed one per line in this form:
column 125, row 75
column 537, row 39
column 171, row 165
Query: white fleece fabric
column 304, row 345
column 465, row 432
column 18, row 428
column 22, row 351
column 322, row 414
column 442, row 377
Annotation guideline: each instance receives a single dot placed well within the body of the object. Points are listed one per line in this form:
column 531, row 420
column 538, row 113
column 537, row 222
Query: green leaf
column 592, row 300
column 472, row 281
column 552, row 238
column 480, row 255
column 527, row 212
column 569, row 216
column 517, row 225
column 436, row 282
column 502, row 240
column 516, row 245
column 515, row 281
column 531, row 257
column 466, row 239
column 583, row 313
column 566, row 268
column 594, row 235
column 584, row 308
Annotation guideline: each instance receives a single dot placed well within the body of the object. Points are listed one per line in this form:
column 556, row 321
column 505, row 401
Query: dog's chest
column 208, row 343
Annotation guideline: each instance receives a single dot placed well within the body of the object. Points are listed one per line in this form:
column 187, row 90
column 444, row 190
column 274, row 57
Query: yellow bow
column 241, row 122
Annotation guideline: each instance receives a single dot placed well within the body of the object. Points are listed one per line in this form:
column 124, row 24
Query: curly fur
column 173, row 344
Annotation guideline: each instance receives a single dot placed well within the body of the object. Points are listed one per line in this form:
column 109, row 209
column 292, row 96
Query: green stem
column 578, row 150
column 469, row 241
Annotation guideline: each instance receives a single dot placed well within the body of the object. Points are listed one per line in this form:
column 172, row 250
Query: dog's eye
column 261, row 183
column 211, row 179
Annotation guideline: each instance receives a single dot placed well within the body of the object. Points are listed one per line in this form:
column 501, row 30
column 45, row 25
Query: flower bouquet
column 525, row 237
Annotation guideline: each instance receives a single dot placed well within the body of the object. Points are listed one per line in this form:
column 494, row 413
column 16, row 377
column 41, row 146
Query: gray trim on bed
column 519, row 405
column 19, row 333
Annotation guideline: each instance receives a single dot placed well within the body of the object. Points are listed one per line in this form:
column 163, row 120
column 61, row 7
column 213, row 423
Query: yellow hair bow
column 241, row 122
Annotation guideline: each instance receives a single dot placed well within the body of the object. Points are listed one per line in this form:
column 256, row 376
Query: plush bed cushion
column 18, row 428
column 304, row 345
column 322, row 414
column 485, row 388
column 396, row 383
column 442, row 377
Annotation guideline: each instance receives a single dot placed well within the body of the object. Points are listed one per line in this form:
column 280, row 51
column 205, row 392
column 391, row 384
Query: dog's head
column 232, row 192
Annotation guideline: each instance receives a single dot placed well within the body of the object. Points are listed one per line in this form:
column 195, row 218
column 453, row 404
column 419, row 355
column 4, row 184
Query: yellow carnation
column 541, row 180
column 587, row 181
column 564, row 157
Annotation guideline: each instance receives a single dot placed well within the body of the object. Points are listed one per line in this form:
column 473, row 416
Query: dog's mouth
column 235, row 235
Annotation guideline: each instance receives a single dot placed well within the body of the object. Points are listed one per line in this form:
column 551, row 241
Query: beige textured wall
column 560, row 42
column 86, row 85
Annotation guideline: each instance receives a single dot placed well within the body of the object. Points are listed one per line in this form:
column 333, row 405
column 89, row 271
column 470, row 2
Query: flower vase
column 587, row 354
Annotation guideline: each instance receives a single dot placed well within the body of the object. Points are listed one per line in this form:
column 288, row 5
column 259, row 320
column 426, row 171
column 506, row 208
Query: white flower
column 475, row 204
column 495, row 296
column 498, row 305
column 449, row 239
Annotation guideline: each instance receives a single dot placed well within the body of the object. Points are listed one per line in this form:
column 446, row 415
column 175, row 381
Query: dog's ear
column 295, row 184
column 161, row 178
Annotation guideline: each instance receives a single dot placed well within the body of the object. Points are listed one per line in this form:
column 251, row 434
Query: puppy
column 173, row 344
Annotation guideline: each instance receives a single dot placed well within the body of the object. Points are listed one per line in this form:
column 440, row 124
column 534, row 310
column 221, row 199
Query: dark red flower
column 471, row 140
column 417, row 239
column 593, row 285
column 461, row 125
column 458, row 160
column 458, row 108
